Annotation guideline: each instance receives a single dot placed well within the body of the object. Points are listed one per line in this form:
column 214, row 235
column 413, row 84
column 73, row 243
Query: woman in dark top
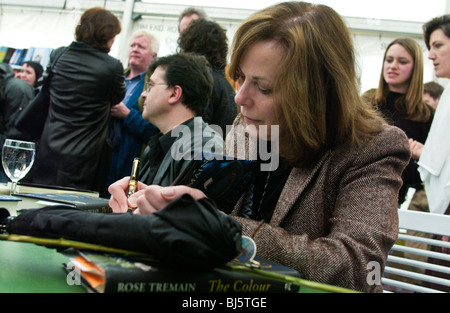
column 400, row 99
column 73, row 149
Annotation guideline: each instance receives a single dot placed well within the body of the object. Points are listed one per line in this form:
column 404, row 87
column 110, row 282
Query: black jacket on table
column 73, row 149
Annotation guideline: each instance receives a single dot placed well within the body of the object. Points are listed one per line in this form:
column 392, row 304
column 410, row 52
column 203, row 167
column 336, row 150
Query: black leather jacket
column 73, row 148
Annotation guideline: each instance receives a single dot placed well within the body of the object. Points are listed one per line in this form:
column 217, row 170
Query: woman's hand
column 416, row 149
column 119, row 194
column 154, row 198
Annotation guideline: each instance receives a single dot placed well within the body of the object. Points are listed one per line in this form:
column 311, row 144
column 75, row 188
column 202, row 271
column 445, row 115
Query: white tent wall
column 31, row 27
column 51, row 23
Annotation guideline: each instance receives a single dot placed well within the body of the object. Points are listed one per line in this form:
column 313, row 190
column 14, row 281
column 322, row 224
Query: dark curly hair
column 206, row 38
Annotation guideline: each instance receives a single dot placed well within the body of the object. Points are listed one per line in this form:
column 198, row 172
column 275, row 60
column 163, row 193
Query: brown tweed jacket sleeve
column 336, row 221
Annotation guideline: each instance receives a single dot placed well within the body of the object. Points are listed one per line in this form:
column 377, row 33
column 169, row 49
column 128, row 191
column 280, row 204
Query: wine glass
column 17, row 160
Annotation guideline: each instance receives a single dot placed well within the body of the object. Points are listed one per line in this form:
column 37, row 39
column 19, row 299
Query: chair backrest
column 417, row 262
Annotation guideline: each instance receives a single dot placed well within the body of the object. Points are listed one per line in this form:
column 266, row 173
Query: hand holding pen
column 134, row 178
column 150, row 198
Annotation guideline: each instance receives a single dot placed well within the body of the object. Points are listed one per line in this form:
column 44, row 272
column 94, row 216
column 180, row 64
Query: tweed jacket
column 336, row 220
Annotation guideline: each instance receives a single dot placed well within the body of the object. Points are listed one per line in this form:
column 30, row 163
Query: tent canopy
column 51, row 23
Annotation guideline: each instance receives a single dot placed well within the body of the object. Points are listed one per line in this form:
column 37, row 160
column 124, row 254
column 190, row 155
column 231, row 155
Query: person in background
column 330, row 208
column 432, row 92
column 175, row 97
column 31, row 72
column 73, row 149
column 14, row 93
column 209, row 39
column 130, row 132
column 191, row 14
column 434, row 157
column 188, row 15
column 399, row 97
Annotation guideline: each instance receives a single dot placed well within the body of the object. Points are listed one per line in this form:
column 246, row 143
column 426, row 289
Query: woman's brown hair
column 317, row 88
column 97, row 26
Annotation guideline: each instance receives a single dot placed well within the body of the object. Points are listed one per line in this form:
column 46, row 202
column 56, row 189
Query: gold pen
column 134, row 178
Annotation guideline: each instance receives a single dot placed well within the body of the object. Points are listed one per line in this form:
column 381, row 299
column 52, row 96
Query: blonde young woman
column 330, row 209
column 399, row 97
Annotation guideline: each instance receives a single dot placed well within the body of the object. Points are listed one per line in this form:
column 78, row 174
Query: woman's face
column 440, row 53
column 398, row 68
column 27, row 74
column 258, row 68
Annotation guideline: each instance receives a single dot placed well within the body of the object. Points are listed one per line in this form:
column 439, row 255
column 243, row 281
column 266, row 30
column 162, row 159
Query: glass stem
column 13, row 187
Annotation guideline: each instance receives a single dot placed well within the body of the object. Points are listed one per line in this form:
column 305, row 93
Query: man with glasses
column 176, row 95
column 129, row 131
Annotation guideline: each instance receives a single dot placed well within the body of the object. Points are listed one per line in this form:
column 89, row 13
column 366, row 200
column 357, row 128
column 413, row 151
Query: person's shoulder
column 109, row 63
column 58, row 50
column 207, row 128
column 19, row 87
column 210, row 133
column 390, row 132
column 390, row 141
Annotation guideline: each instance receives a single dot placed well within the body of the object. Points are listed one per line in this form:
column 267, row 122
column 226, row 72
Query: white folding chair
column 403, row 274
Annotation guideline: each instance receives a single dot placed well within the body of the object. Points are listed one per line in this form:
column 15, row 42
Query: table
column 26, row 203
column 29, row 268
column 29, row 203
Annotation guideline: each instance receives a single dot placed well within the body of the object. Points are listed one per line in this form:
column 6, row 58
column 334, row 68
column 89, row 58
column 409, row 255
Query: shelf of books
column 16, row 56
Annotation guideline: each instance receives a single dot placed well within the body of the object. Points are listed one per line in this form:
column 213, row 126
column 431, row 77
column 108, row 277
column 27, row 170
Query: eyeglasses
column 150, row 85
